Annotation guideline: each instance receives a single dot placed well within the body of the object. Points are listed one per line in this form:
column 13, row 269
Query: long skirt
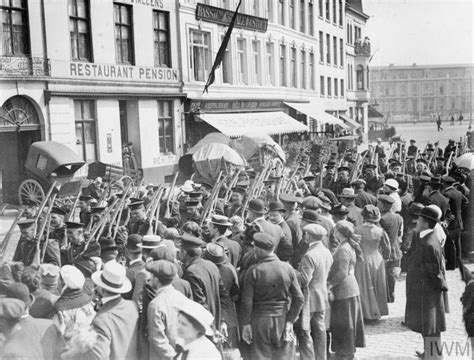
column 347, row 326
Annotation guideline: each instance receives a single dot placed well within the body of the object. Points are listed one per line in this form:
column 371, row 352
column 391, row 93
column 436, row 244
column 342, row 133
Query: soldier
column 373, row 182
column 293, row 217
column 236, row 202
column 58, row 228
column 450, row 148
column 439, row 169
column 412, row 149
column 329, row 176
column 139, row 223
column 79, row 253
column 84, row 207
column 342, row 180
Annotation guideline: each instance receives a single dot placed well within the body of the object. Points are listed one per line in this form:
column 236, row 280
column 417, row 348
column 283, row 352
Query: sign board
column 223, row 17
column 235, row 105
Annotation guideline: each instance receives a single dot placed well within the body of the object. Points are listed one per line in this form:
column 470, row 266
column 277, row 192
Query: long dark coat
column 425, row 308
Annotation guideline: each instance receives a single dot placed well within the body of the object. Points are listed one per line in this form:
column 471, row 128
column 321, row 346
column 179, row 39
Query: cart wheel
column 30, row 190
column 127, row 180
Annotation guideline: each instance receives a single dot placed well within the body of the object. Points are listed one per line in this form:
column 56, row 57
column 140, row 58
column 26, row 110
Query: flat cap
column 316, row 231
column 11, row 309
column 162, row 269
column 386, row 199
column 288, row 198
column 136, row 205
column 74, row 225
column 311, row 203
column 263, row 241
column 190, row 241
column 57, row 210
column 310, row 216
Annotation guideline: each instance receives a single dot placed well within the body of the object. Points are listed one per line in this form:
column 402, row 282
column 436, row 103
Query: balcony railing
column 24, row 66
column 362, row 48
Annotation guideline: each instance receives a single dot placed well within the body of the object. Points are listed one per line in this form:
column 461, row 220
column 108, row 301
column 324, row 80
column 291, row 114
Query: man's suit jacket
column 436, row 198
column 278, row 236
column 132, row 273
column 313, row 274
column 364, row 198
column 116, row 323
column 457, row 201
column 33, row 339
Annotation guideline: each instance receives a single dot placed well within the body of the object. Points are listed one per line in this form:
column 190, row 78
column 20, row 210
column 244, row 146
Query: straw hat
column 113, row 278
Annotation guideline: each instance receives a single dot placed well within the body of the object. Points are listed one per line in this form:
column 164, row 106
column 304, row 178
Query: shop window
column 79, row 30
column 200, row 53
column 161, row 29
column 165, row 127
column 14, row 27
column 270, row 71
column 85, row 120
column 123, row 33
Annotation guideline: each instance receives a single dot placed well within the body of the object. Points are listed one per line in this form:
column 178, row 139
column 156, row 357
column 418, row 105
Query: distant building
column 422, row 92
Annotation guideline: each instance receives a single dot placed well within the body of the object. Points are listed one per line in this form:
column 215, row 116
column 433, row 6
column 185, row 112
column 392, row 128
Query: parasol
column 465, row 161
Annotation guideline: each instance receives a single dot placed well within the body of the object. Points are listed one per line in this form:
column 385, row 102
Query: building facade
column 93, row 75
column 423, row 92
column 358, row 55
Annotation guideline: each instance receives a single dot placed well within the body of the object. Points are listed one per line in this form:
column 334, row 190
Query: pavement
column 388, row 338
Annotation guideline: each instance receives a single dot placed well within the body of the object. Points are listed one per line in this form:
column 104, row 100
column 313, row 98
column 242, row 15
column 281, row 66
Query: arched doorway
column 19, row 128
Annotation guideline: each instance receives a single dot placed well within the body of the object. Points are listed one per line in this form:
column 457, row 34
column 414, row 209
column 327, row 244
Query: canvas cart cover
column 248, row 146
column 210, row 159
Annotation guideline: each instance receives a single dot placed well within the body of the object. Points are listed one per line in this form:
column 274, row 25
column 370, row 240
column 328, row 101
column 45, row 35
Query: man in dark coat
column 276, row 211
column 412, row 149
column 426, row 286
column 84, row 209
column 362, row 197
column 293, row 218
column 271, row 302
column 202, row 275
column 58, row 227
column 218, row 226
column 436, row 197
column 135, row 265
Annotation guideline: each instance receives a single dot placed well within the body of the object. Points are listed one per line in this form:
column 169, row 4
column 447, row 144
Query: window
column 165, row 127
column 226, row 64
column 302, row 16
column 342, row 87
column 349, row 33
column 336, row 86
column 321, row 46
column 161, row 44
column 303, row 69
column 270, row 63
column 311, row 17
column 341, row 52
column 441, row 90
column 256, row 7
column 293, row 68
column 270, row 10
column 200, row 53
column 328, row 10
column 123, row 33
column 84, row 116
column 283, row 65
column 328, row 49
column 360, row 77
column 14, row 27
column 79, row 30
column 341, row 9
column 257, row 72
column 329, row 86
column 225, row 4
column 334, row 11
column 321, row 8
column 242, row 61
column 357, row 33
column 334, row 50
column 281, row 12
column 291, row 14
column 321, row 85
column 311, row 71
column 414, row 89
column 414, row 105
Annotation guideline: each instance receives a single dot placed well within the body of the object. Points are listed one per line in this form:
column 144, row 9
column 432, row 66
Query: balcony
column 362, row 48
column 24, row 66
column 362, row 95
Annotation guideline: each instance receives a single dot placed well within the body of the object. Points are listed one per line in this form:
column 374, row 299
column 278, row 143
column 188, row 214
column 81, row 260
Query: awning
column 311, row 110
column 374, row 113
column 352, row 123
column 238, row 124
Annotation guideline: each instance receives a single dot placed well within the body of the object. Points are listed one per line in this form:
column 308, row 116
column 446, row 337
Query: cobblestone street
column 389, row 339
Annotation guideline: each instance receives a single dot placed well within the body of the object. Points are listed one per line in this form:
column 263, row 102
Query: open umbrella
column 465, row 161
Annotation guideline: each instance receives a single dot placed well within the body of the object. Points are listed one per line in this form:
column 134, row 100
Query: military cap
column 448, row 179
column 370, row 166
column 164, row 270
column 74, row 225
column 263, row 241
column 343, row 168
column 412, row 141
column 189, row 241
column 288, row 198
column 25, row 223
column 58, row 210
column 386, row 199
column 239, row 190
column 136, row 205
column 395, row 163
column 276, row 206
column 97, row 209
column 194, row 195
column 440, row 158
column 243, row 184
column 192, row 203
column 85, row 197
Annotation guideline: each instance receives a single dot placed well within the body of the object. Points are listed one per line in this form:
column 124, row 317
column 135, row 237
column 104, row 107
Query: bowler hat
column 107, row 243
column 414, row 208
column 164, row 270
column 263, row 241
column 310, row 216
column 276, row 206
column 132, row 243
column 257, row 206
column 113, row 278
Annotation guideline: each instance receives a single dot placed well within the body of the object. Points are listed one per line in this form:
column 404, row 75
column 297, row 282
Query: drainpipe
column 48, row 67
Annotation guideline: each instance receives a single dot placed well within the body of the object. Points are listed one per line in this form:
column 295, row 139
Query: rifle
column 70, row 215
column 45, row 200
column 168, row 199
column 288, row 184
column 100, row 224
column 234, row 180
column 118, row 211
column 8, row 235
column 214, row 196
column 448, row 163
column 44, row 225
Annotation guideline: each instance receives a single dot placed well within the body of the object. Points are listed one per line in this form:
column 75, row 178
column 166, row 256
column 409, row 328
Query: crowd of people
column 257, row 265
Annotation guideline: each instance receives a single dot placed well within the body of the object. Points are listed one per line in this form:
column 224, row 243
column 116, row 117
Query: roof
column 269, row 123
column 356, row 6
column 421, row 67
column 312, row 110
column 374, row 113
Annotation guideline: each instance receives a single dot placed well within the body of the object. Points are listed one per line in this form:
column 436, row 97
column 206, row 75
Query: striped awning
column 311, row 110
column 269, row 123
